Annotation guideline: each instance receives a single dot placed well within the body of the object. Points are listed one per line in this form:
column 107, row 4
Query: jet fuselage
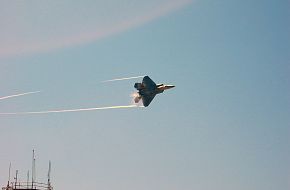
column 148, row 89
column 160, row 89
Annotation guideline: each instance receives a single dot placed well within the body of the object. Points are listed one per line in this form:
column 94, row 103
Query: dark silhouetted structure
column 147, row 90
column 29, row 185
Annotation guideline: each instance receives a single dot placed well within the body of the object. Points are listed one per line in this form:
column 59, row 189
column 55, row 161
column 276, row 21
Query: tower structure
column 29, row 185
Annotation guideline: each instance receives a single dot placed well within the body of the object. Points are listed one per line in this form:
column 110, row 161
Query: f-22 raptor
column 147, row 90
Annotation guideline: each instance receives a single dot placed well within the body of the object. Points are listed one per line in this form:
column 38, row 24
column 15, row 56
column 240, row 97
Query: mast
column 48, row 175
column 16, row 177
column 9, row 174
column 33, row 169
column 27, row 179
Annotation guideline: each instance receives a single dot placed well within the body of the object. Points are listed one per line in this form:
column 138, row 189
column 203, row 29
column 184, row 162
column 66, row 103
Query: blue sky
column 224, row 126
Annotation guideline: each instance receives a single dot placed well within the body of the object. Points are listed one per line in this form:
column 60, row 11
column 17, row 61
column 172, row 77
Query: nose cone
column 169, row 86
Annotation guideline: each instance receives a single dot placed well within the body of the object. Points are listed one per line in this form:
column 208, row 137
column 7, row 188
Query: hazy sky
column 225, row 126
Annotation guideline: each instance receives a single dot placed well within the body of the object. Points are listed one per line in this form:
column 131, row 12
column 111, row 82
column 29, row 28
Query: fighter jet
column 147, row 90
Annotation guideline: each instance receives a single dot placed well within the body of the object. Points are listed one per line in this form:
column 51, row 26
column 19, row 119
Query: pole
column 27, row 179
column 32, row 171
column 16, row 178
column 9, row 174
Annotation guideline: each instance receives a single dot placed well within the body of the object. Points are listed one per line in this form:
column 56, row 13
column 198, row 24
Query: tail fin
column 138, row 86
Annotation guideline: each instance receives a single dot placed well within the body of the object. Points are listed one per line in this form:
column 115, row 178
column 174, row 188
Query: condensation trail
column 16, row 95
column 71, row 110
column 127, row 78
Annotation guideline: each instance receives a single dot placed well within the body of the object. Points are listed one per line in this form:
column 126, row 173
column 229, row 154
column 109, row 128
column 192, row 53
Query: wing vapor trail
column 70, row 110
column 16, row 95
column 126, row 78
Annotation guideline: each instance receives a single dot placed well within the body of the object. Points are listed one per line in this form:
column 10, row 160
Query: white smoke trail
column 70, row 110
column 16, row 95
column 127, row 78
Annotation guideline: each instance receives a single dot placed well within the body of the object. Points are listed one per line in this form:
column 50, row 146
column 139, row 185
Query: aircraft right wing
column 147, row 100
column 149, row 84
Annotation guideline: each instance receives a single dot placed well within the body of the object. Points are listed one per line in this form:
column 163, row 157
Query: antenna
column 9, row 174
column 27, row 179
column 33, row 168
column 34, row 172
column 48, row 175
column 16, row 176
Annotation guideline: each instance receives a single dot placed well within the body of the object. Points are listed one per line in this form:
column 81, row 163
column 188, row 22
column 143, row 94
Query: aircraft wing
column 147, row 100
column 149, row 84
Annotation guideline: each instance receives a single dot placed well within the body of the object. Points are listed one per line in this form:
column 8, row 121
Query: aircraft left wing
column 149, row 84
column 147, row 99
